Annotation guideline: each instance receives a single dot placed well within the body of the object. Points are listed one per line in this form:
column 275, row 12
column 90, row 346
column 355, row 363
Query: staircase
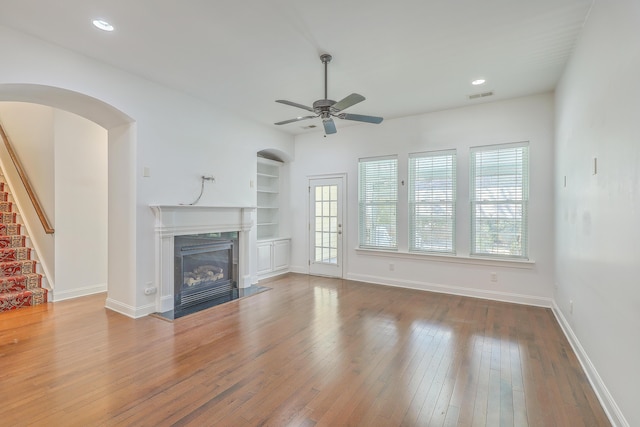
column 20, row 285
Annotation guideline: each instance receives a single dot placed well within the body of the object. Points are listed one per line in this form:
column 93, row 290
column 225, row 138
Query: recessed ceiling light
column 478, row 82
column 102, row 24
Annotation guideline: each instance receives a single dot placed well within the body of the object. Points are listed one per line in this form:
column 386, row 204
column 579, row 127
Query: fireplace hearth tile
column 233, row 295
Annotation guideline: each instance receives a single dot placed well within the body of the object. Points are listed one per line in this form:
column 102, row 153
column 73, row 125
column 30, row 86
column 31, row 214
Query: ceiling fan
column 327, row 108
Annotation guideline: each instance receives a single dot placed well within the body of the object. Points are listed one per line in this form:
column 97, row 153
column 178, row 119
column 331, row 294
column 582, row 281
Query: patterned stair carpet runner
column 20, row 285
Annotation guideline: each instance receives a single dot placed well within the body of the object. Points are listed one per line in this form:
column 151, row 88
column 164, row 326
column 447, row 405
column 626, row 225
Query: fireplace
column 206, row 268
column 175, row 223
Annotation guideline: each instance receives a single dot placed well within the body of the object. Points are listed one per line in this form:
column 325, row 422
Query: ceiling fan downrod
column 325, row 58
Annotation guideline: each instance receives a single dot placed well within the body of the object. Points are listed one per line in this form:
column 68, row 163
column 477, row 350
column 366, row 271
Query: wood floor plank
column 310, row 352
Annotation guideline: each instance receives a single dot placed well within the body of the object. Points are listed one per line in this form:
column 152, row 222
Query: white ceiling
column 406, row 57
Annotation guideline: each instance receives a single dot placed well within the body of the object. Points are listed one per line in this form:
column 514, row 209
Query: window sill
column 459, row 259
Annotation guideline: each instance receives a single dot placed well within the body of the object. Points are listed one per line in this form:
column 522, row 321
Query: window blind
column 499, row 198
column 432, row 201
column 377, row 202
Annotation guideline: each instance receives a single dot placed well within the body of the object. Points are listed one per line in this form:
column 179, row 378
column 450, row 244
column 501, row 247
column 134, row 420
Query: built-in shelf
column 268, row 198
column 272, row 248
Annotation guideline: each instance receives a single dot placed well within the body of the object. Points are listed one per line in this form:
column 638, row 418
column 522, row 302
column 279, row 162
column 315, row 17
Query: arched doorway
column 121, row 263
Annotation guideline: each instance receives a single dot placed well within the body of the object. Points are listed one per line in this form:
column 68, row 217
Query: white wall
column 29, row 128
column 81, row 206
column 33, row 143
column 176, row 136
column 597, row 216
column 524, row 119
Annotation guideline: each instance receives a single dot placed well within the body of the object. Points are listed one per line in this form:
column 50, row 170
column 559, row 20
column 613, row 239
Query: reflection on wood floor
column 312, row 351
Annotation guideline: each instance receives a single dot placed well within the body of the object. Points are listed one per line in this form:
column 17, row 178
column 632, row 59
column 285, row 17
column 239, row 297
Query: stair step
column 26, row 298
column 15, row 268
column 12, row 241
column 7, row 217
column 10, row 230
column 20, row 283
column 6, row 206
column 15, row 254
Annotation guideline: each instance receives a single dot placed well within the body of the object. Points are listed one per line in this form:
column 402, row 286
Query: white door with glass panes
column 326, row 228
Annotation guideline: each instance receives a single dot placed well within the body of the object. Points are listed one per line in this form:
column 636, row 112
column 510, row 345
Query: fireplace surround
column 194, row 225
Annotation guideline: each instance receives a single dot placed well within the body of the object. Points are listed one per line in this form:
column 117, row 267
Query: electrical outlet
column 494, row 277
column 392, row 266
column 570, row 306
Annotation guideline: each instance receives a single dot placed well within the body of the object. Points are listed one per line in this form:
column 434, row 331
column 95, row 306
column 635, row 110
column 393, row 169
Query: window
column 377, row 202
column 499, row 197
column 432, row 201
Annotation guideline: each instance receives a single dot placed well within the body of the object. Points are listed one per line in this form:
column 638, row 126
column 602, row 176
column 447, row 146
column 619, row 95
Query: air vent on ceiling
column 480, row 95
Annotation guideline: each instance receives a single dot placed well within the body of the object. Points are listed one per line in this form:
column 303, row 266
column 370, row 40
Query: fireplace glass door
column 205, row 269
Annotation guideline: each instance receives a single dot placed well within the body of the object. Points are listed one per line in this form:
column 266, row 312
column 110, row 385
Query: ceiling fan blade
column 295, row 104
column 347, row 102
column 297, row 119
column 361, row 118
column 329, row 126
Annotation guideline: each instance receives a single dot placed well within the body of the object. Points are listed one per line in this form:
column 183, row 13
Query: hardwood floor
column 311, row 351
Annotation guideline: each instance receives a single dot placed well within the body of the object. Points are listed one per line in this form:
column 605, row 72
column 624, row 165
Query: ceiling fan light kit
column 327, row 108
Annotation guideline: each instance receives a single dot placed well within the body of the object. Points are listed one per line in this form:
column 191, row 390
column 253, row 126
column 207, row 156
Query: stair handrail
column 27, row 184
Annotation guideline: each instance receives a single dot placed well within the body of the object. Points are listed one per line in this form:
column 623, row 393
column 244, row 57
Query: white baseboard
column 119, row 307
column 606, row 400
column 129, row 311
column 61, row 295
column 145, row 310
column 456, row 290
column 272, row 274
column 299, row 269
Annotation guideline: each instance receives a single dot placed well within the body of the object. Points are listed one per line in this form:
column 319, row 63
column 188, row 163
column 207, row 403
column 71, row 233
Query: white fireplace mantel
column 181, row 220
column 178, row 220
